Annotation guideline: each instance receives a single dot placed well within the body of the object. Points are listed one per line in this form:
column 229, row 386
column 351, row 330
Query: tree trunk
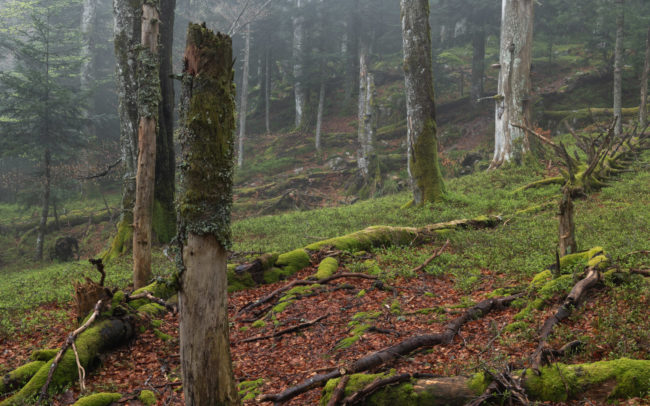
column 362, row 111
column 513, row 104
column 88, row 21
column 127, row 28
column 352, row 51
column 164, row 214
column 423, row 167
column 567, row 226
column 643, row 109
column 148, row 97
column 207, row 127
column 298, row 53
column 42, row 225
column 243, row 103
column 618, row 69
column 478, row 64
column 319, row 116
column 267, row 93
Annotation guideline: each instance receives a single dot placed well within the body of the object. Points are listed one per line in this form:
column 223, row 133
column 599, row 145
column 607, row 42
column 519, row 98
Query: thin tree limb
column 431, row 258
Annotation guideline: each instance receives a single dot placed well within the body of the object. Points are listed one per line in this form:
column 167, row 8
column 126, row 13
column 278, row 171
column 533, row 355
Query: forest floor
column 613, row 322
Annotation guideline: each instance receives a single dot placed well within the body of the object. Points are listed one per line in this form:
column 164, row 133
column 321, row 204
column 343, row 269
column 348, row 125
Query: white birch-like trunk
column 319, row 116
column 618, row 69
column 88, row 20
column 243, row 101
column 514, row 89
column 298, row 52
column 364, row 114
column 643, row 109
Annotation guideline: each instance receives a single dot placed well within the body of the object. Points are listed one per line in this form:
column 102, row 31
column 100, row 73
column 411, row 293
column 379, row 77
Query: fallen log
column 98, row 338
column 361, row 395
column 391, row 353
column 598, row 381
column 270, row 268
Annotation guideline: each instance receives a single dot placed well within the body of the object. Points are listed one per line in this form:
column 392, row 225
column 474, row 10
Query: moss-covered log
column 103, row 335
column 588, row 113
column 19, row 376
column 270, row 268
column 599, row 381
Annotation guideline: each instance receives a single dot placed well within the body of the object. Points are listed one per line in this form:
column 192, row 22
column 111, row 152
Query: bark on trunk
column 513, row 104
column 243, row 101
column 319, row 116
column 88, row 21
column 423, row 166
column 618, row 69
column 127, row 28
column 148, row 105
column 267, row 93
column 208, row 125
column 643, row 109
column 164, row 226
column 567, row 226
column 364, row 114
column 298, row 52
column 42, row 225
column 478, row 65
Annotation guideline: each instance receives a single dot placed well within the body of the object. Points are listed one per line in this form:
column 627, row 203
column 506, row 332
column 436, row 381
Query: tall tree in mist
column 298, row 46
column 423, row 166
column 643, row 109
column 618, row 68
column 206, row 136
column 513, row 104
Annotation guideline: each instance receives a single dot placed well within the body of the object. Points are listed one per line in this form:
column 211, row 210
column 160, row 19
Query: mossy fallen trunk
column 19, row 376
column 588, row 113
column 75, row 218
column 600, row 381
column 270, row 268
column 100, row 337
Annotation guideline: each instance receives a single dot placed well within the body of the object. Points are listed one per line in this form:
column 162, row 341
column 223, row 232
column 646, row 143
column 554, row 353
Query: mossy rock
column 293, row 261
column 98, row 399
column 327, row 268
column 147, row 397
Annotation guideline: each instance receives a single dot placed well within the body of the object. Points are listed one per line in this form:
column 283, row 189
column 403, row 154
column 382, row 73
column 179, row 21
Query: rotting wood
column 339, row 391
column 284, row 331
column 146, row 295
column 393, row 352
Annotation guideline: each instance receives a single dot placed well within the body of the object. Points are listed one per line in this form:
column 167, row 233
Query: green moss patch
column 248, row 390
column 19, row 376
column 99, row 399
column 293, row 261
column 147, row 397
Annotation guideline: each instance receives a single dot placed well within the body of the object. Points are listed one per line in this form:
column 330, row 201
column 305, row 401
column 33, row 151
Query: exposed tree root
column 573, row 299
column 398, row 350
column 295, row 283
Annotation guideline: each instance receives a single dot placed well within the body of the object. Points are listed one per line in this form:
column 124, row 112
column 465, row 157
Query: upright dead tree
column 478, row 64
column 618, row 69
column 148, row 103
column 206, row 136
column 513, row 106
column 127, row 41
column 566, row 228
column 423, row 166
column 366, row 116
column 643, row 107
column 298, row 50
